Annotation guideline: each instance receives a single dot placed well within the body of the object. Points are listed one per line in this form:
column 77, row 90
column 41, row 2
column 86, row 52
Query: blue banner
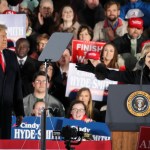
column 30, row 128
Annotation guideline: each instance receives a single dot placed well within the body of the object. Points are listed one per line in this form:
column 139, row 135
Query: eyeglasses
column 78, row 110
column 40, row 81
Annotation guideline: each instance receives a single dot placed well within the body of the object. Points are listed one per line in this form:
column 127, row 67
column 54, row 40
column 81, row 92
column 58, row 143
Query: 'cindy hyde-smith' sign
column 78, row 79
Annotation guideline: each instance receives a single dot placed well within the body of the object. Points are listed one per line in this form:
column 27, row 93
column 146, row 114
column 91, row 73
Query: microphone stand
column 141, row 78
column 43, row 114
column 43, row 129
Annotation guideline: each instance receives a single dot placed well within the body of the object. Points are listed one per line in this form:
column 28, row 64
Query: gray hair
column 2, row 27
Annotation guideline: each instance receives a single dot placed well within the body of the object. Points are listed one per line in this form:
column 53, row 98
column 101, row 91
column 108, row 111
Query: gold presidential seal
column 138, row 103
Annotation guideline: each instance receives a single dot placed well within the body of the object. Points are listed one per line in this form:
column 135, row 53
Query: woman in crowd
column 38, row 108
column 67, row 21
column 84, row 95
column 85, row 33
column 109, row 56
column 77, row 111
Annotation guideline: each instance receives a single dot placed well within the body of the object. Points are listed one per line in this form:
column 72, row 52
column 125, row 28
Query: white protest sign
column 16, row 25
column 78, row 79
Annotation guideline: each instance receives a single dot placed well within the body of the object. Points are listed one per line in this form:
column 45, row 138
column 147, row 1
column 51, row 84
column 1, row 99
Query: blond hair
column 145, row 50
column 90, row 103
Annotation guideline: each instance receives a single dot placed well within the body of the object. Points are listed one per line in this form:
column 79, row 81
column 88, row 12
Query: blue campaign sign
column 99, row 131
column 30, row 128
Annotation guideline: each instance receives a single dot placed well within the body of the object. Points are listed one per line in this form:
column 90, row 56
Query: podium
column 123, row 125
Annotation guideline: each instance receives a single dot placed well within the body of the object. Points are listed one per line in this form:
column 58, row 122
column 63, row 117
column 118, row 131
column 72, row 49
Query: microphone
column 142, row 62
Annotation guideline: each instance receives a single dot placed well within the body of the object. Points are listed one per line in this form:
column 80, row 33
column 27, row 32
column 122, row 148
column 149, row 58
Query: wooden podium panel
column 124, row 140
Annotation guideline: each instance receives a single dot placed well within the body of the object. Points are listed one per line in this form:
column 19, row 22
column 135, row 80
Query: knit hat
column 30, row 4
column 92, row 55
column 135, row 23
column 134, row 13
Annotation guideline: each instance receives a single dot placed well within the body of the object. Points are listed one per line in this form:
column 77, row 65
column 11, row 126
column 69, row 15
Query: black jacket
column 123, row 44
column 129, row 77
column 30, row 67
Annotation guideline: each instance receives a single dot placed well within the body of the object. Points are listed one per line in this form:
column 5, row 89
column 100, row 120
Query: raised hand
column 101, row 71
column 86, row 67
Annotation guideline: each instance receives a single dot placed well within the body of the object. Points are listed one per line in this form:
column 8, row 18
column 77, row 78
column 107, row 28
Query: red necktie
column 2, row 62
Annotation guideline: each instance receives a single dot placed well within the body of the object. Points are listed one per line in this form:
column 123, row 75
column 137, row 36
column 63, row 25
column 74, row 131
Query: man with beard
column 130, row 44
column 112, row 26
column 44, row 23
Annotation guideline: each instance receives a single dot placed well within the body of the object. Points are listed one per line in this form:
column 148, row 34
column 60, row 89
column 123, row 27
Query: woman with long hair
column 67, row 21
column 84, row 95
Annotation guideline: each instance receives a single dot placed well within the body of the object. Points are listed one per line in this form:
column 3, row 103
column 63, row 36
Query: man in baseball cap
column 135, row 23
column 129, row 45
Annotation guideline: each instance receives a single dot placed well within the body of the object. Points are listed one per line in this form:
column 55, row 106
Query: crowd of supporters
column 124, row 32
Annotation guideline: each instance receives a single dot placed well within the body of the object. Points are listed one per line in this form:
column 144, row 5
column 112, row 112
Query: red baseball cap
column 92, row 55
column 135, row 23
column 9, row 12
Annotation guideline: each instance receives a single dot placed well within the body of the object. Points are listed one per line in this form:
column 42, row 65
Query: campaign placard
column 30, row 128
column 80, row 48
column 78, row 79
column 16, row 25
column 98, row 131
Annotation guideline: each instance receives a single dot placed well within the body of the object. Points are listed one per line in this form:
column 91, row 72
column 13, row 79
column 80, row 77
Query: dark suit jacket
column 60, row 88
column 10, row 93
column 27, row 71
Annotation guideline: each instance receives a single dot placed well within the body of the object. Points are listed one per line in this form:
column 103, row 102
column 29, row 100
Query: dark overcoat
column 10, row 93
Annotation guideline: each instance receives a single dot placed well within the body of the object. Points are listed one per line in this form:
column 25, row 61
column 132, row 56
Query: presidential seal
column 138, row 103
